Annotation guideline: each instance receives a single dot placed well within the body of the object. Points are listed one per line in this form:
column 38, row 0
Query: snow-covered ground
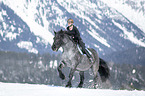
column 14, row 89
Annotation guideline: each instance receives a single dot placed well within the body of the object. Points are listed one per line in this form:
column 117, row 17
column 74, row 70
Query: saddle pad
column 82, row 52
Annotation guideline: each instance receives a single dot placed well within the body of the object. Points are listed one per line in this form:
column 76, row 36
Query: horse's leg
column 81, row 73
column 71, row 76
column 95, row 81
column 95, row 71
column 59, row 68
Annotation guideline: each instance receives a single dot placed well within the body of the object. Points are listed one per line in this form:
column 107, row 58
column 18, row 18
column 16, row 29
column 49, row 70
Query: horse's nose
column 53, row 47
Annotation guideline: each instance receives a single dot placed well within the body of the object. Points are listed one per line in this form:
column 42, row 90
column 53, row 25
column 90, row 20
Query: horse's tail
column 103, row 70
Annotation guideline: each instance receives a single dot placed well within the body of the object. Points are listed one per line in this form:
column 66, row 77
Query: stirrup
column 80, row 49
column 91, row 60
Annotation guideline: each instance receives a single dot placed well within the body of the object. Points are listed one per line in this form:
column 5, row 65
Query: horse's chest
column 68, row 57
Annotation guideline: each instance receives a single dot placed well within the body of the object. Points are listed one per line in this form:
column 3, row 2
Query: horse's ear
column 54, row 32
column 62, row 31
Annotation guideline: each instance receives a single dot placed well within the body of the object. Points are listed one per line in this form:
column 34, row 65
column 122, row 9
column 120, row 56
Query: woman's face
column 69, row 23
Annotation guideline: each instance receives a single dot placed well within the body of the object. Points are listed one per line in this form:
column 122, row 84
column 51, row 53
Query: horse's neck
column 70, row 46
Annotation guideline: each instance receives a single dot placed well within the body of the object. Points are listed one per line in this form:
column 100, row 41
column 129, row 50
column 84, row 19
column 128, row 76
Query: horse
column 73, row 58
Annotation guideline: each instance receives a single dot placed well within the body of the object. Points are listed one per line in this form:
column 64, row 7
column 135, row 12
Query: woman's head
column 70, row 22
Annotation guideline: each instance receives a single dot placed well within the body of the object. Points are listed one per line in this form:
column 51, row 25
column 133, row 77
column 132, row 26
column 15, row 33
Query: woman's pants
column 82, row 45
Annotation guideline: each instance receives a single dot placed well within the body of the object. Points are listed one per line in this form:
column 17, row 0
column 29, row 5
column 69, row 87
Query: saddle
column 85, row 51
column 88, row 53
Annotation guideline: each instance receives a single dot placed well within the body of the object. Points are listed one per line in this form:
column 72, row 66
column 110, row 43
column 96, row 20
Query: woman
column 74, row 33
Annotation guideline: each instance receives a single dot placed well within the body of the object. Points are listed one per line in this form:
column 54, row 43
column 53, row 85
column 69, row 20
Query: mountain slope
column 16, row 35
column 102, row 27
column 130, row 56
column 134, row 10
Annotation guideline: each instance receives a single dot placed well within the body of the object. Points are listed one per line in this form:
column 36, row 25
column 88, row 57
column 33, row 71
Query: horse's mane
column 63, row 34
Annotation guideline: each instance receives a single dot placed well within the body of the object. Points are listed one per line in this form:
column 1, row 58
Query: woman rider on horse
column 74, row 33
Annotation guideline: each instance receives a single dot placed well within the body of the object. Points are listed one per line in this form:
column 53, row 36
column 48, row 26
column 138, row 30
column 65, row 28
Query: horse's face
column 58, row 40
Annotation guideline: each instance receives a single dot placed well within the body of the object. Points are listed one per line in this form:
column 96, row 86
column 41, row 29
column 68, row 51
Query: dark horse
column 72, row 58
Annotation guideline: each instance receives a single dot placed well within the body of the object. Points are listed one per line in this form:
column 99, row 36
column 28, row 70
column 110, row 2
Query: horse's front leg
column 71, row 76
column 59, row 68
column 81, row 79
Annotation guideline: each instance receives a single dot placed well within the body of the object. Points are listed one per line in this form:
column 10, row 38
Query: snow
column 136, row 17
column 27, row 13
column 35, row 14
column 129, row 35
column 27, row 45
column 82, row 9
column 15, row 89
column 11, row 36
column 133, row 71
column 94, row 34
column 53, row 64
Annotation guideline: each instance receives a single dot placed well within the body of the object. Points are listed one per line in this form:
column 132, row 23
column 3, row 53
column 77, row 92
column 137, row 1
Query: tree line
column 42, row 69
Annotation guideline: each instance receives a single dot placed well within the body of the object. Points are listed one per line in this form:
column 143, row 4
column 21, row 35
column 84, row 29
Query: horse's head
column 58, row 40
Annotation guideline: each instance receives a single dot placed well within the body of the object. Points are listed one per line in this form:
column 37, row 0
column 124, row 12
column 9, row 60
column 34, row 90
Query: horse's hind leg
column 59, row 68
column 81, row 73
column 95, row 81
column 95, row 71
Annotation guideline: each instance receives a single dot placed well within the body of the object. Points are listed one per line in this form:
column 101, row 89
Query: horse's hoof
column 80, row 86
column 68, row 85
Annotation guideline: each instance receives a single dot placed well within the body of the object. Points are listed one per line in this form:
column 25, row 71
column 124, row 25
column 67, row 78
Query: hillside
column 130, row 56
column 27, row 26
column 42, row 69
